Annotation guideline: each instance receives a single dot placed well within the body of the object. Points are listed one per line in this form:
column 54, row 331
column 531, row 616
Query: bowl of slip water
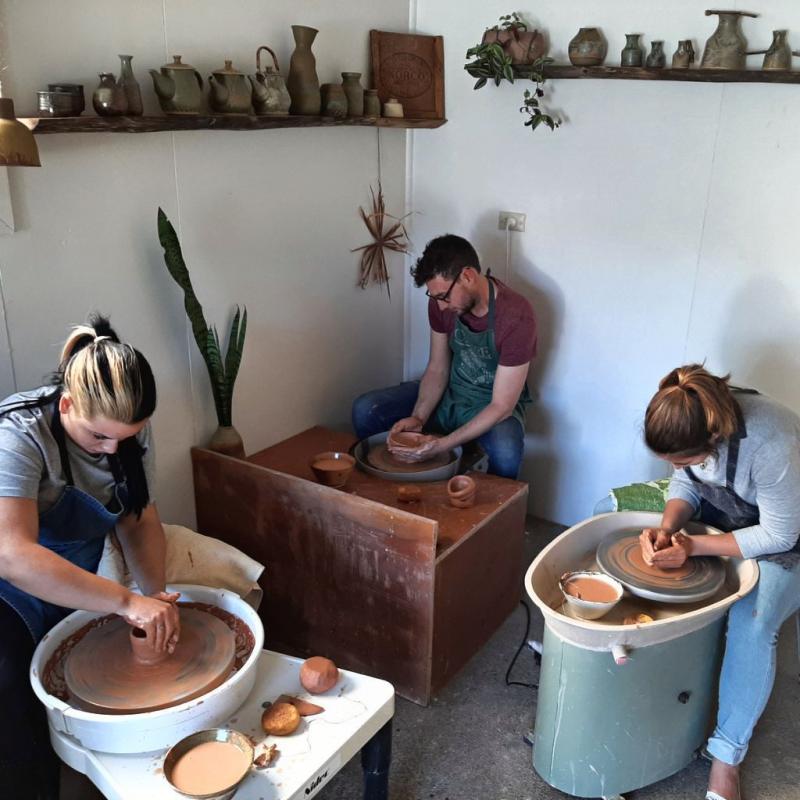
column 590, row 594
column 209, row 765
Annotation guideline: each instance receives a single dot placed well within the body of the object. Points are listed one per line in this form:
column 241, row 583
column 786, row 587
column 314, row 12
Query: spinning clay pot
column 461, row 491
column 318, row 674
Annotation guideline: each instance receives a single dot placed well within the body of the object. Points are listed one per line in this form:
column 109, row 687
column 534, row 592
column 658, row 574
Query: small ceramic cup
column 393, row 108
column 461, row 491
column 582, row 607
column 332, row 468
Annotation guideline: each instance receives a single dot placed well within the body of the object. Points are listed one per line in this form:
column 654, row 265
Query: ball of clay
column 318, row 674
column 280, row 719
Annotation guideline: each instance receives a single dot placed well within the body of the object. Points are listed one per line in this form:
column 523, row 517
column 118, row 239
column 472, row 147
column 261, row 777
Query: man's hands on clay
column 411, row 424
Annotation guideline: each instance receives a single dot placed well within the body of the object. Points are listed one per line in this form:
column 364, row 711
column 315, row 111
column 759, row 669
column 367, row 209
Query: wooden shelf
column 218, row 122
column 650, row 74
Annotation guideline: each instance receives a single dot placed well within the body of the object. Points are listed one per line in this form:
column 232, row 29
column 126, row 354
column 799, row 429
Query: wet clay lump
column 209, row 767
column 590, row 589
column 380, row 458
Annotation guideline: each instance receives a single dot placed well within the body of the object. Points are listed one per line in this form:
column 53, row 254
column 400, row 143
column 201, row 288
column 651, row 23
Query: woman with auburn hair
column 76, row 462
column 736, row 456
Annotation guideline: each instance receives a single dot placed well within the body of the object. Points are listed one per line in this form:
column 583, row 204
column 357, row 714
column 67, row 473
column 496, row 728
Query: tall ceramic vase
column 131, row 87
column 226, row 440
column 303, row 83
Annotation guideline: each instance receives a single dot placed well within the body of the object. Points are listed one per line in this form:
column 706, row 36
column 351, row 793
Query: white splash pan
column 151, row 730
column 574, row 550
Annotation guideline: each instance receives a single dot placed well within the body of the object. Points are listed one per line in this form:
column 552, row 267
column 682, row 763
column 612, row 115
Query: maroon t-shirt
column 514, row 325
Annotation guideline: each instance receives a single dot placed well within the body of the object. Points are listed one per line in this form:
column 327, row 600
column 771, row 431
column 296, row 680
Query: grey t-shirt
column 767, row 475
column 30, row 465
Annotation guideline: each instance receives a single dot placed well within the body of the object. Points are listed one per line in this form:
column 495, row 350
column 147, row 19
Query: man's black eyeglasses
column 443, row 298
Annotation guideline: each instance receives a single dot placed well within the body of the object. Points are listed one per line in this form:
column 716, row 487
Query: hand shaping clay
column 318, row 674
column 280, row 719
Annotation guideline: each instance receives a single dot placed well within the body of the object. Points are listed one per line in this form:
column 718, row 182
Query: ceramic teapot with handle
column 270, row 95
column 229, row 93
column 179, row 87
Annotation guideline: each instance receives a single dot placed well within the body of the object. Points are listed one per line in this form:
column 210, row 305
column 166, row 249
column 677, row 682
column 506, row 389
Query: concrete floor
column 468, row 744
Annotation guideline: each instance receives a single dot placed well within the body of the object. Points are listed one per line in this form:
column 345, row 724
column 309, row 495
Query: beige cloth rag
column 193, row 558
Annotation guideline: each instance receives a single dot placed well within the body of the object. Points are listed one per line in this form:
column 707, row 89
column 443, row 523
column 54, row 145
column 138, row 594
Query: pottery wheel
column 620, row 556
column 380, row 458
column 102, row 674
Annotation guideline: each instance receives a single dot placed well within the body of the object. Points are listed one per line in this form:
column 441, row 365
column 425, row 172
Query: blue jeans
column 376, row 412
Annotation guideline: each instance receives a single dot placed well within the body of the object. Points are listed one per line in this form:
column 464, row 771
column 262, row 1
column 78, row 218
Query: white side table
column 357, row 716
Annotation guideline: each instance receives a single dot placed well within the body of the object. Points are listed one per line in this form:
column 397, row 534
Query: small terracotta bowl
column 332, row 468
column 226, row 735
column 589, row 609
column 461, row 491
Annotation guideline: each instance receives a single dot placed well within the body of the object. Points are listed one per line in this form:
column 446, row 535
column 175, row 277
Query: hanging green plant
column 509, row 46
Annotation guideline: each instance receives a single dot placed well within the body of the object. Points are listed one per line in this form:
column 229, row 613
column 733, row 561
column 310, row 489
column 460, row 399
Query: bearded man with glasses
column 483, row 338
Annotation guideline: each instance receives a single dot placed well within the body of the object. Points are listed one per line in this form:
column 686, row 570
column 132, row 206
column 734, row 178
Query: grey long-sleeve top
column 768, row 476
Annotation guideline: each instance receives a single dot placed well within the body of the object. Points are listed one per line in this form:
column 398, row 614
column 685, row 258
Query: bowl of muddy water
column 590, row 594
column 332, row 468
column 209, row 765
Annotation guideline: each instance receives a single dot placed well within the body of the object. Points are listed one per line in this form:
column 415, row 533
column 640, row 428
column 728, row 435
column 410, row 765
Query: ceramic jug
column 588, row 48
column 303, row 83
column 632, row 55
column 130, row 86
column 779, row 55
column 109, row 98
column 229, row 91
column 354, row 92
column 727, row 47
column 334, row 100
column 179, row 87
column 270, row 95
column 372, row 103
column 656, row 57
column 684, row 55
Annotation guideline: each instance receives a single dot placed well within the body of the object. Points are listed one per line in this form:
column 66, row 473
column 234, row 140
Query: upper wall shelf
column 650, row 74
column 218, row 122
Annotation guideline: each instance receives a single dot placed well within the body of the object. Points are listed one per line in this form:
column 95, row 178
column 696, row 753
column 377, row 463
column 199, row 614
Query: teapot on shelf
column 229, row 93
column 179, row 87
column 270, row 95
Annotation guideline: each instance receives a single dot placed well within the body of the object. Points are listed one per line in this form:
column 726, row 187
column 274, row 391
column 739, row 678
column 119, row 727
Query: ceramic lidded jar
column 334, row 101
column 303, row 83
column 74, row 89
column 684, row 55
column 656, row 58
column 632, row 54
column 393, row 108
column 230, row 92
column 588, row 48
column 179, row 87
column 351, row 83
column 109, row 98
column 372, row 103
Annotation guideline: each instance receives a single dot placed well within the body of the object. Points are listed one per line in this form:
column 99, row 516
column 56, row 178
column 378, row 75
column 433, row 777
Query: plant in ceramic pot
column 221, row 372
column 504, row 47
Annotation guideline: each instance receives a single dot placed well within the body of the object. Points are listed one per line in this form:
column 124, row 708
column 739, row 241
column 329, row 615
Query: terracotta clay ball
column 318, row 674
column 280, row 719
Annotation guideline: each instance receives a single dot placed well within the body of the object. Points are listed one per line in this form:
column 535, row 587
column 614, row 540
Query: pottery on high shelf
column 523, row 46
column 270, row 95
column 727, row 47
column 179, row 87
column 588, row 48
column 55, row 104
column 632, row 54
column 334, row 100
column 76, row 92
column 393, row 108
column 779, row 55
column 130, row 86
column 656, row 58
column 229, row 92
column 109, row 98
column 684, row 55
column 372, row 103
column 354, row 92
column 303, row 83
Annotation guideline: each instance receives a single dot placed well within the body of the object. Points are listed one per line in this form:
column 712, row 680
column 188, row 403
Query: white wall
column 662, row 228
column 266, row 218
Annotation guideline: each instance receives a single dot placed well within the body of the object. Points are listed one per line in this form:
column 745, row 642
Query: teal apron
column 472, row 371
column 74, row 528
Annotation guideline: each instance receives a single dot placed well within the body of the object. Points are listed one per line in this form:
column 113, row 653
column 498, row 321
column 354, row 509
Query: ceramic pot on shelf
column 303, row 83
column 632, row 54
column 727, row 47
column 656, row 58
column 684, row 55
column 230, row 93
column 226, row 440
column 779, row 55
column 130, row 86
column 74, row 89
column 270, row 95
column 109, row 98
column 179, row 87
column 334, row 100
column 354, row 91
column 588, row 48
column 393, row 108
column 523, row 46
column 372, row 103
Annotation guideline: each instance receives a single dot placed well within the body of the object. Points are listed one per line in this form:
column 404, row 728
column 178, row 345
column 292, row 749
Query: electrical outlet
column 512, row 221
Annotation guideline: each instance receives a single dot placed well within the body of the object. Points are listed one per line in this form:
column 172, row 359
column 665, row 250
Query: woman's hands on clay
column 412, row 424
column 674, row 555
column 652, row 539
column 157, row 616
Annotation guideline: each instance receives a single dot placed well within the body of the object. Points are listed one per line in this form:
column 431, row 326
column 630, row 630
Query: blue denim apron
column 75, row 529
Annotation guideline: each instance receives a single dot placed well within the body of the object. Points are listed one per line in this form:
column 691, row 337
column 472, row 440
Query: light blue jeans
column 376, row 412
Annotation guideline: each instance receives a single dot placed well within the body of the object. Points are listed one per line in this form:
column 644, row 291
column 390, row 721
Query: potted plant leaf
column 507, row 51
column 221, row 372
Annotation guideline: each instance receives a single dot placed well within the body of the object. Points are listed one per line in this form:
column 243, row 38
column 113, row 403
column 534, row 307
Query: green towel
column 650, row 496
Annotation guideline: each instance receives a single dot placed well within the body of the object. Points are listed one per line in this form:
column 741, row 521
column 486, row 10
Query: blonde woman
column 76, row 462
column 736, row 456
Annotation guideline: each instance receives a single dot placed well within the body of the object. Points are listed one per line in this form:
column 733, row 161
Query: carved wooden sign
column 409, row 68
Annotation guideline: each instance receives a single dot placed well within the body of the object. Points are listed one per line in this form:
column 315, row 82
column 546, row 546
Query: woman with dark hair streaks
column 736, row 456
column 76, row 463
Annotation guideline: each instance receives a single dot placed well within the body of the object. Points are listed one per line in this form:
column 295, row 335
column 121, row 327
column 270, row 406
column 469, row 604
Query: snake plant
column 222, row 373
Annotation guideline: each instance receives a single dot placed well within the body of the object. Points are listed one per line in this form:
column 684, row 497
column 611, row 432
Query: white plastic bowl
column 590, row 609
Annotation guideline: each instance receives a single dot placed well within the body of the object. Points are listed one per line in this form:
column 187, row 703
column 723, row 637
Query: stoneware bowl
column 182, row 747
column 332, row 468
column 57, row 104
column 588, row 609
column 461, row 491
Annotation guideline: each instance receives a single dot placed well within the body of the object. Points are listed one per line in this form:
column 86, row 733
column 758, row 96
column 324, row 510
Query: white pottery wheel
column 151, row 730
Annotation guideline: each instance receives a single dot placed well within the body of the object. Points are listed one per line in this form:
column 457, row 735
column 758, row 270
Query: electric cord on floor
column 523, row 643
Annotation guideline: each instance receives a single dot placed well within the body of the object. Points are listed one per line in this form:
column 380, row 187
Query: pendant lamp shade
column 17, row 145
